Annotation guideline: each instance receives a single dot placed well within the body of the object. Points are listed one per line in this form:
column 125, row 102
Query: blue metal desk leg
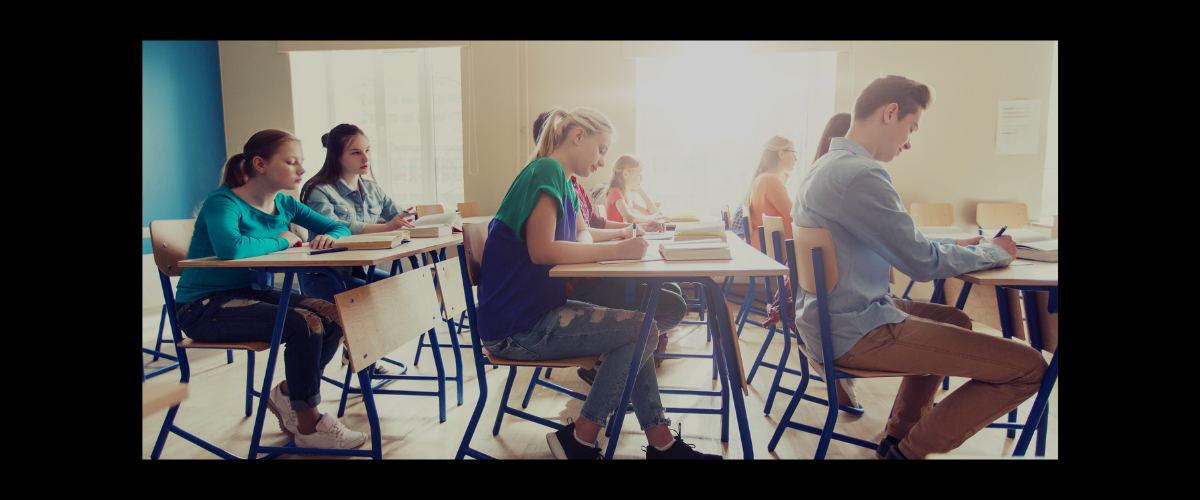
column 732, row 373
column 654, row 287
column 1006, row 328
column 276, row 335
column 364, row 381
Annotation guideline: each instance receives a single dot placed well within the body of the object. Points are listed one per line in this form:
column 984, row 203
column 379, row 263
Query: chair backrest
column 468, row 209
column 170, row 240
column 298, row 231
column 450, row 289
column 996, row 215
column 726, row 216
column 932, row 214
column 380, row 317
column 746, row 224
column 807, row 238
column 474, row 237
column 771, row 225
column 423, row 210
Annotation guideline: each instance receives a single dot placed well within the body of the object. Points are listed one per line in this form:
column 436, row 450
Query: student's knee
column 1034, row 370
column 960, row 319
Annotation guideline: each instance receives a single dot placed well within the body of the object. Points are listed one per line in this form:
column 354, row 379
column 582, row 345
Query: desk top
column 746, row 262
column 415, row 246
column 1024, row 273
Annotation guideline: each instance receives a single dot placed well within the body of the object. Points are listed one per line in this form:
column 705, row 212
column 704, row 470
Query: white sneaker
column 331, row 434
column 281, row 406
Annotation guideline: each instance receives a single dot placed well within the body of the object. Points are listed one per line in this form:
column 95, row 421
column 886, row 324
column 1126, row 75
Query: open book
column 700, row 230
column 708, row 249
column 452, row 220
column 1031, row 245
column 372, row 241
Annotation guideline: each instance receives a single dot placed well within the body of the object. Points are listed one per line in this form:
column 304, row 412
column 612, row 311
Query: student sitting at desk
column 848, row 192
column 341, row 192
column 627, row 179
column 766, row 195
column 524, row 314
column 611, row 294
column 248, row 216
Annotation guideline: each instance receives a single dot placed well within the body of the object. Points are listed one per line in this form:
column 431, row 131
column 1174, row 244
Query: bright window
column 702, row 120
column 407, row 101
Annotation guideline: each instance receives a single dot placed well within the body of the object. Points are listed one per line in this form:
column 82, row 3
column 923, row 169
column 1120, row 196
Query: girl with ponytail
column 342, row 192
column 626, row 179
column 767, row 194
column 524, row 314
column 247, row 216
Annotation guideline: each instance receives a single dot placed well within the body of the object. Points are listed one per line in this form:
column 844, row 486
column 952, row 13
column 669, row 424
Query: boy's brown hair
column 906, row 93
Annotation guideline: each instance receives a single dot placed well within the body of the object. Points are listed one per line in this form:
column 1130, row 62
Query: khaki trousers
column 937, row 340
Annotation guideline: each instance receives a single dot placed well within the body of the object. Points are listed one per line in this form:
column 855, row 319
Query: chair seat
column 585, row 362
column 251, row 346
column 856, row 372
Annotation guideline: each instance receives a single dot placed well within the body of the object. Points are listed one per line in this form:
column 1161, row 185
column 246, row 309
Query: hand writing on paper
column 1007, row 243
column 321, row 242
column 630, row 249
column 293, row 240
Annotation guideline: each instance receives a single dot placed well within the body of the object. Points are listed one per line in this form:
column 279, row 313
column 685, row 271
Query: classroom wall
column 183, row 137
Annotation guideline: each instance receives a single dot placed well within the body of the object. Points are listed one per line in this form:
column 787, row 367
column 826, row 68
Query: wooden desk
column 158, row 396
column 1028, row 276
column 291, row 263
column 746, row 261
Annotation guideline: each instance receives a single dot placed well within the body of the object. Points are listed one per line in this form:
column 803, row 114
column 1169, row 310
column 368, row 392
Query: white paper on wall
column 1017, row 127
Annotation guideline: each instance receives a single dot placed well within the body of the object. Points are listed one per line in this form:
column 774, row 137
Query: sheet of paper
column 648, row 258
column 1017, row 127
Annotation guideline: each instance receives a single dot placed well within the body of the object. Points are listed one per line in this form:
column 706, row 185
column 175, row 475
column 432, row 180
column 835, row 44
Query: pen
column 329, row 250
column 1001, row 232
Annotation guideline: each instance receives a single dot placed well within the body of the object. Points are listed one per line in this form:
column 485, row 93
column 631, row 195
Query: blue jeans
column 311, row 332
column 581, row 329
column 668, row 313
column 322, row 287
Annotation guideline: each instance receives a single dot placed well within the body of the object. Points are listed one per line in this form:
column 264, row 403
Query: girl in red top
column 626, row 179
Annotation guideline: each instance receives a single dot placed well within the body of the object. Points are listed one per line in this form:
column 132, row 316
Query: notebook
column 1031, row 245
column 709, row 249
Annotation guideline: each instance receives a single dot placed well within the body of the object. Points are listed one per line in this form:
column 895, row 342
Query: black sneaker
column 885, row 445
column 679, row 450
column 564, row 446
column 588, row 376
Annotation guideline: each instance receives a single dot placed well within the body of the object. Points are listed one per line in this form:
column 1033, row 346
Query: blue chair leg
column 512, row 376
column 532, row 382
column 761, row 352
column 229, row 356
column 786, row 421
column 779, row 369
column 420, row 343
column 249, row 382
column 162, row 322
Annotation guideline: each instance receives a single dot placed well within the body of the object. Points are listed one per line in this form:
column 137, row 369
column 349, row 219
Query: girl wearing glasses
column 767, row 195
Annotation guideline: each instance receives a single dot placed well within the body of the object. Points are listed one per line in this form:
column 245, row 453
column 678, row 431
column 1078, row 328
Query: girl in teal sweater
column 248, row 216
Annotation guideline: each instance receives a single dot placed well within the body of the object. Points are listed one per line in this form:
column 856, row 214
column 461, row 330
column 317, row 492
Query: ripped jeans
column 581, row 329
column 311, row 332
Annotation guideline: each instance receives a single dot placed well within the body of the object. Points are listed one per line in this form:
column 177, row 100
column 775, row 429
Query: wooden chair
column 469, row 209
column 816, row 272
column 379, row 318
column 170, row 240
column 423, row 210
column 997, row 215
column 748, row 300
column 773, row 230
column 466, row 271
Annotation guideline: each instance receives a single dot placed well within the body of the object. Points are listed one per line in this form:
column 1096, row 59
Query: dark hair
column 907, row 94
column 240, row 167
column 837, row 127
column 539, row 124
column 335, row 144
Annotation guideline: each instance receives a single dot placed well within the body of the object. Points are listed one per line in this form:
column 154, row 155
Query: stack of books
column 700, row 231
column 706, row 249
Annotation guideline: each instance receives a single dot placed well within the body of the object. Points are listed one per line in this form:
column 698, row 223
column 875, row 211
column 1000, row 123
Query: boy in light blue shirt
column 849, row 192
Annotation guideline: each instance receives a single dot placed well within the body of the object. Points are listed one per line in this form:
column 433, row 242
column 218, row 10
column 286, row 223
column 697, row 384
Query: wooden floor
column 215, row 408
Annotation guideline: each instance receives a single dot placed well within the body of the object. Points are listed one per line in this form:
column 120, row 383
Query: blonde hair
column 767, row 163
column 625, row 163
column 561, row 122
